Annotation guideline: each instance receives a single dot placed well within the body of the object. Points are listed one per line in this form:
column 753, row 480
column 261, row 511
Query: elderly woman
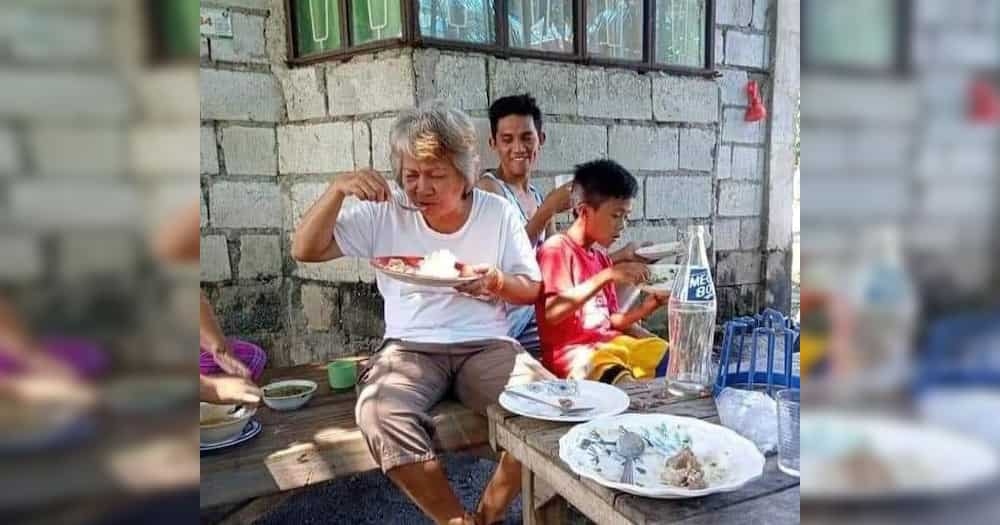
column 439, row 340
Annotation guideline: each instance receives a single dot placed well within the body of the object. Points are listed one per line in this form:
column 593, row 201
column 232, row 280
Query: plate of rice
column 439, row 268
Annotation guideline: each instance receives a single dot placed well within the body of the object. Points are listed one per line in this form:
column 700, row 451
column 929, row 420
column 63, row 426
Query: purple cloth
column 84, row 357
column 251, row 355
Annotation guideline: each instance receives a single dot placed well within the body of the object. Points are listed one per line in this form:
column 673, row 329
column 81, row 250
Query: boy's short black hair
column 597, row 181
column 515, row 105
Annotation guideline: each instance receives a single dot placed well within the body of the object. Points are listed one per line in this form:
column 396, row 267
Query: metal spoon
column 565, row 405
column 400, row 198
column 629, row 446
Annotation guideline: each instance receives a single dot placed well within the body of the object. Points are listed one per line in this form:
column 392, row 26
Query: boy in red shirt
column 583, row 334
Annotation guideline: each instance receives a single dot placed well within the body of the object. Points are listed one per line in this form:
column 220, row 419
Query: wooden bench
column 317, row 443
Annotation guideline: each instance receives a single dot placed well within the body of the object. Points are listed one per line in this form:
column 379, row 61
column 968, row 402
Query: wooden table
column 316, row 443
column 550, row 484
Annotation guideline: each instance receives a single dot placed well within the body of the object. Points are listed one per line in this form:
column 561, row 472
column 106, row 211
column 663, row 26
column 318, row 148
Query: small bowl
column 291, row 402
column 217, row 424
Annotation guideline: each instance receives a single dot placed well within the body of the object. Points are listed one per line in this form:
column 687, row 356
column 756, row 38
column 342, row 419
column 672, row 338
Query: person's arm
column 542, row 221
column 17, row 341
column 14, row 337
column 627, row 253
column 550, row 230
column 210, row 333
column 561, row 305
column 227, row 390
column 213, row 340
column 314, row 240
column 508, row 287
column 624, row 321
column 179, row 240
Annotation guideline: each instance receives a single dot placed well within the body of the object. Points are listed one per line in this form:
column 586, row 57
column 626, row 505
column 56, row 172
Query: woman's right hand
column 366, row 185
column 629, row 273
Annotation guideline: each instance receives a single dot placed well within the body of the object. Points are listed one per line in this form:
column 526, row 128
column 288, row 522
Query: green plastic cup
column 342, row 373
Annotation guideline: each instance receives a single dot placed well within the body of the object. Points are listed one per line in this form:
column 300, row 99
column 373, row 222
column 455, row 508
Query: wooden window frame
column 411, row 37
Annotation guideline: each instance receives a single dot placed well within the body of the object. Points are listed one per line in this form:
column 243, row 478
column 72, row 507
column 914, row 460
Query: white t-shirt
column 492, row 235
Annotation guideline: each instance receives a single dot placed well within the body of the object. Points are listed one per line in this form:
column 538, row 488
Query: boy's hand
column 485, row 288
column 656, row 298
column 366, row 185
column 629, row 273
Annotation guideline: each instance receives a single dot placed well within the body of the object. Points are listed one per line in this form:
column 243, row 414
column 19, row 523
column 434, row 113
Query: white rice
column 441, row 264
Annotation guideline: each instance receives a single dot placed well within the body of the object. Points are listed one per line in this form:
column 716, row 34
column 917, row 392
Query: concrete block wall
column 93, row 156
column 899, row 149
column 274, row 136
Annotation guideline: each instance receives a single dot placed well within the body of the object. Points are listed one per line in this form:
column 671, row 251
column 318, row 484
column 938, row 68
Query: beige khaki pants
column 404, row 380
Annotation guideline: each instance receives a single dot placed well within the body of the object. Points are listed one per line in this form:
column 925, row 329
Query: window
column 317, row 26
column 373, row 20
column 471, row 21
column 614, row 29
column 680, row 34
column 862, row 35
column 542, row 25
column 174, row 28
column 672, row 35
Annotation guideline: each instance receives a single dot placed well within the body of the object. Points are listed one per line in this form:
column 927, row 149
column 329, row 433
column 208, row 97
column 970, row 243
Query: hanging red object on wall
column 984, row 103
column 756, row 111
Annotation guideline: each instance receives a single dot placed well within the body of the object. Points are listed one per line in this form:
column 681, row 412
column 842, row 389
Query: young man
column 583, row 334
column 517, row 137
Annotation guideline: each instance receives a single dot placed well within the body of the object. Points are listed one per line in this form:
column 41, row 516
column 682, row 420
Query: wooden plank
column 562, row 481
column 528, row 516
column 774, row 509
column 537, row 445
column 662, row 511
column 549, row 507
column 317, row 443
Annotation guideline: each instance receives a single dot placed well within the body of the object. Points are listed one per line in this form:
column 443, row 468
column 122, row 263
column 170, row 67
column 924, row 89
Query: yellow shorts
column 638, row 356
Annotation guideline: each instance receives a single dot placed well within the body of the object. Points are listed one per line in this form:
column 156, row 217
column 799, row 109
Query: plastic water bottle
column 885, row 307
column 691, row 321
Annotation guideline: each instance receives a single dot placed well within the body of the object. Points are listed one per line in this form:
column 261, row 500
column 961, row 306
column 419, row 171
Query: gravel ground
column 370, row 498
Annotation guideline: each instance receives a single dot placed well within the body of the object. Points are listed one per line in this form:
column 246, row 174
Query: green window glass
column 178, row 28
column 854, row 33
column 614, row 29
column 542, row 25
column 461, row 20
column 680, row 32
column 317, row 26
column 373, row 20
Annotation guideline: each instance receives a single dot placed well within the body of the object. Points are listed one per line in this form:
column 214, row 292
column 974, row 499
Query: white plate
column 607, row 400
column 656, row 252
column 925, row 461
column 736, row 460
column 252, row 429
column 379, row 263
column 977, row 417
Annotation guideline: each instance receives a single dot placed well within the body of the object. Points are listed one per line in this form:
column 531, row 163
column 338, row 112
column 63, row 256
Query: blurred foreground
column 98, row 150
column 901, row 326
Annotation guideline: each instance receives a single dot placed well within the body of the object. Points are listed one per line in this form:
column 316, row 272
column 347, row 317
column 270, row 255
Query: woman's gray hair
column 435, row 131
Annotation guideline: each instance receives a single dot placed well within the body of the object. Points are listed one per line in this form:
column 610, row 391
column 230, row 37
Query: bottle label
column 699, row 285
